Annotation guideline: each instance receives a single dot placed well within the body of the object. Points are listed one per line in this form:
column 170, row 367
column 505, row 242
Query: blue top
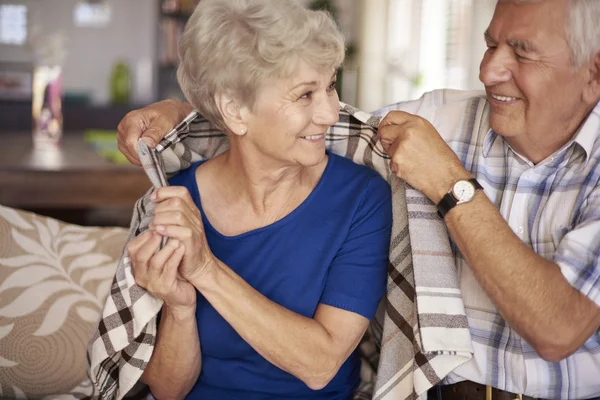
column 332, row 249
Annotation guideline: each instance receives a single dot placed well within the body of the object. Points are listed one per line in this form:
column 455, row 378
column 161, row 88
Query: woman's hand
column 177, row 217
column 157, row 271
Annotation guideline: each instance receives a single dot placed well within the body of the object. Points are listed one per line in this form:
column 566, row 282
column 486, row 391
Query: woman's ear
column 232, row 113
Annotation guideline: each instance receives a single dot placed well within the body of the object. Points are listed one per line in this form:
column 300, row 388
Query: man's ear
column 232, row 113
column 592, row 91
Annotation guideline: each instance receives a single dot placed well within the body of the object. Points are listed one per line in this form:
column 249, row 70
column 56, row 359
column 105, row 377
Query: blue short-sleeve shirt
column 332, row 249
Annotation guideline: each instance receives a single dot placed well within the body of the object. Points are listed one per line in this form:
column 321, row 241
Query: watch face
column 463, row 191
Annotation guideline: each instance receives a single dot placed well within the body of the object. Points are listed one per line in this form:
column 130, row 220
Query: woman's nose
column 328, row 112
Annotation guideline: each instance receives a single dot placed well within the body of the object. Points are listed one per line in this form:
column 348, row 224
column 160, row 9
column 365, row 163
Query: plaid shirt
column 554, row 207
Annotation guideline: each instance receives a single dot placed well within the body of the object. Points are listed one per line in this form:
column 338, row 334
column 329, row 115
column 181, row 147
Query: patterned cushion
column 54, row 279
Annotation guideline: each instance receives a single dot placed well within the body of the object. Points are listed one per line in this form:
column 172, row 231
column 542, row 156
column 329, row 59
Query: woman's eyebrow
column 306, row 83
column 312, row 83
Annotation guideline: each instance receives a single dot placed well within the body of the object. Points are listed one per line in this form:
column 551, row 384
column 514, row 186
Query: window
column 91, row 15
column 13, row 24
column 430, row 45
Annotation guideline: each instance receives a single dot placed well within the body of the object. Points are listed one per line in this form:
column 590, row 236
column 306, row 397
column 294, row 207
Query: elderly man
column 527, row 246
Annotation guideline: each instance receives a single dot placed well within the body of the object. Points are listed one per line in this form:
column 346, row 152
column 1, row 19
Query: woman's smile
column 314, row 138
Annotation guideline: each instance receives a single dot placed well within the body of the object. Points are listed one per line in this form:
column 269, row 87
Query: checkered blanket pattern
column 417, row 336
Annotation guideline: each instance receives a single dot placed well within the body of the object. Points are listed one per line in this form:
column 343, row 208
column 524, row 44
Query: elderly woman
column 277, row 250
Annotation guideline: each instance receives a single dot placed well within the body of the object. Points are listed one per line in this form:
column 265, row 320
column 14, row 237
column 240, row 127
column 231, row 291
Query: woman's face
column 287, row 125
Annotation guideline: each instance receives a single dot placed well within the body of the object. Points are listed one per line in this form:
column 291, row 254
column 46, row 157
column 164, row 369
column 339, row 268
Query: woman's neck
column 266, row 185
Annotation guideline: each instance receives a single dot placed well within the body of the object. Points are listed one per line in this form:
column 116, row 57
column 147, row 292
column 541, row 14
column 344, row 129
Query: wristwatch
column 462, row 191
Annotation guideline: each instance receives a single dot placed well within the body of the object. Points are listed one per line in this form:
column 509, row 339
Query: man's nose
column 496, row 66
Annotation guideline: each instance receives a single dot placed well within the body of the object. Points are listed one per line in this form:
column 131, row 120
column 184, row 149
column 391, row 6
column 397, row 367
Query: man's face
column 535, row 92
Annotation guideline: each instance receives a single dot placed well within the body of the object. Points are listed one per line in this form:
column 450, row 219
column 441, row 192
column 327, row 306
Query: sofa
column 54, row 279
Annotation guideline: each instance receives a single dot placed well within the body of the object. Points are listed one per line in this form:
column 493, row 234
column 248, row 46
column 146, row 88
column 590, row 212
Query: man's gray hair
column 235, row 46
column 583, row 30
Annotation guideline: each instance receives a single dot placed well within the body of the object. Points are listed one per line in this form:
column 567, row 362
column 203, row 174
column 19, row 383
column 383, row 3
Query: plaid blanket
column 420, row 332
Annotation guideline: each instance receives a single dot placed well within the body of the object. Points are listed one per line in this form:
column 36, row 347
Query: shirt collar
column 589, row 132
column 585, row 137
column 488, row 142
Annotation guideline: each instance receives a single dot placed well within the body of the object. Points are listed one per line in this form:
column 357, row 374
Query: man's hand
column 152, row 122
column 419, row 155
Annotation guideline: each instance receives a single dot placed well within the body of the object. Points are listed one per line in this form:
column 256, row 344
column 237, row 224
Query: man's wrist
column 186, row 108
column 183, row 108
column 444, row 185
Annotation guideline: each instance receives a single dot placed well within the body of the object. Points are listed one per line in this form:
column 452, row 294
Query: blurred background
column 71, row 69
column 398, row 48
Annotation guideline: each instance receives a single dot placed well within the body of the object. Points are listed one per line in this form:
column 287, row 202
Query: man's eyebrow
column 522, row 45
column 488, row 37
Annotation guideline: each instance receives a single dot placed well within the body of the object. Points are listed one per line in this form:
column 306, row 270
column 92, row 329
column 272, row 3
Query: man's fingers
column 388, row 134
column 129, row 130
column 386, row 145
column 394, row 124
column 132, row 158
column 395, row 159
column 162, row 123
column 157, row 131
column 396, row 117
column 152, row 122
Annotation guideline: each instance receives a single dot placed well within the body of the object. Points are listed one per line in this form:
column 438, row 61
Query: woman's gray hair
column 235, row 46
column 583, row 30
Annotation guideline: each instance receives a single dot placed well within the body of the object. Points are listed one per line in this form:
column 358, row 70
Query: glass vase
column 47, row 106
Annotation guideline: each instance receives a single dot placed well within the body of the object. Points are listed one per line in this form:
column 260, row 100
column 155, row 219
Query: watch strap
column 448, row 202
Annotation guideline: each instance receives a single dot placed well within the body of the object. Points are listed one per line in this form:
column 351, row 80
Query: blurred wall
column 483, row 10
column 366, row 23
column 372, row 59
column 131, row 36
